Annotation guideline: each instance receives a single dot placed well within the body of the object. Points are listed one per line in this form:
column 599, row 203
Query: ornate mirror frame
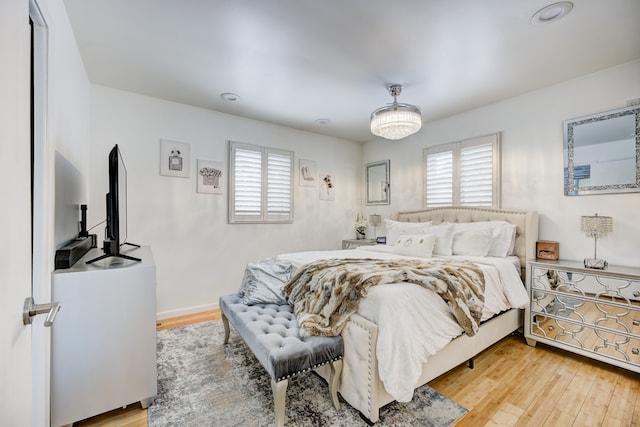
column 377, row 183
column 603, row 151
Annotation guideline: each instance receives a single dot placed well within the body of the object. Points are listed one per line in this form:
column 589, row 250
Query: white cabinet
column 103, row 341
column 595, row 313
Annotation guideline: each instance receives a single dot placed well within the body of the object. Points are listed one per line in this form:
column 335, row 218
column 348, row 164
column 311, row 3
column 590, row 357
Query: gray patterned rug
column 202, row 382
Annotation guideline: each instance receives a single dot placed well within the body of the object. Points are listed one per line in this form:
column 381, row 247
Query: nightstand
column 354, row 243
column 595, row 313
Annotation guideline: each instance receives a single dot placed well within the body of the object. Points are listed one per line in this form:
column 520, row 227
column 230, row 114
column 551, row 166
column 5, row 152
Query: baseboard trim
column 186, row 311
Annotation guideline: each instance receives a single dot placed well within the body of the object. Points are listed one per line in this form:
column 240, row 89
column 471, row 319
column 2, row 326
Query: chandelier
column 396, row 121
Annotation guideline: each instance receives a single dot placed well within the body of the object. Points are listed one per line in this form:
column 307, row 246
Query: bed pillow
column 444, row 235
column 472, row 242
column 503, row 235
column 396, row 228
column 415, row 245
column 264, row 282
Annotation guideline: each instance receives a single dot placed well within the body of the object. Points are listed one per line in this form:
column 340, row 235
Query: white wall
column 199, row 256
column 532, row 161
column 68, row 122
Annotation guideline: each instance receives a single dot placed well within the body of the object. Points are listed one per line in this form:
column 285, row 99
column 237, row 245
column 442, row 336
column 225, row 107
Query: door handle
column 32, row 309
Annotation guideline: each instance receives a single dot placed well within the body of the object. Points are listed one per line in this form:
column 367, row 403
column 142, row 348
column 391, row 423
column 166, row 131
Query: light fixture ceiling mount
column 552, row 12
column 396, row 120
column 229, row 97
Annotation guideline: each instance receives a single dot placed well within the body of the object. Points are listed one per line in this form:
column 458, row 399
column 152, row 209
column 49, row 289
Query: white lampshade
column 596, row 226
column 375, row 219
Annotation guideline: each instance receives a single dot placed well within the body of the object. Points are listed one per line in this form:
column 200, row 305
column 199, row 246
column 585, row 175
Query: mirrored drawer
column 599, row 339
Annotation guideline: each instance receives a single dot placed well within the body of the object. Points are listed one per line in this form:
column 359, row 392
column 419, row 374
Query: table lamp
column 596, row 227
column 375, row 220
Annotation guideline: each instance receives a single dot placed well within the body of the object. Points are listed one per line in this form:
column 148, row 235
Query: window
column 463, row 173
column 260, row 184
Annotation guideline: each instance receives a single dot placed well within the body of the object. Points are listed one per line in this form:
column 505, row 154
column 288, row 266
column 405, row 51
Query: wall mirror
column 377, row 177
column 602, row 153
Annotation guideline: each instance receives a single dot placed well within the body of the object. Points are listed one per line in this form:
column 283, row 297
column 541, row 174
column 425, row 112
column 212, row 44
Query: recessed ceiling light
column 229, row 97
column 323, row 121
column 552, row 13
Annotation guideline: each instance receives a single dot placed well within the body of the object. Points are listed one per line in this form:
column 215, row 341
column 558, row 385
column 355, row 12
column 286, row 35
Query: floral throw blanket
column 325, row 293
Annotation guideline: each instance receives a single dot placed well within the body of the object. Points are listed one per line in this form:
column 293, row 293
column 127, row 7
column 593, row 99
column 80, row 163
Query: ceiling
column 292, row 62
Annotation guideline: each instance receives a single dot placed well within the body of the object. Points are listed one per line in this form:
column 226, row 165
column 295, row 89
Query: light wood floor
column 512, row 384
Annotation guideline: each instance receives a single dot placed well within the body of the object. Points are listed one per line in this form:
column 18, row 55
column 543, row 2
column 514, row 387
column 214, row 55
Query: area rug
column 202, row 382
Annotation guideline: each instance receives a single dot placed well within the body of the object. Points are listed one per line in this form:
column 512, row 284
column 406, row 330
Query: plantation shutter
column 439, row 178
column 463, row 173
column 476, row 173
column 279, row 184
column 247, row 194
column 260, row 184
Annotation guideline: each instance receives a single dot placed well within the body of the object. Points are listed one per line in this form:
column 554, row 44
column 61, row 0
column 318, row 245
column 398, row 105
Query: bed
column 391, row 344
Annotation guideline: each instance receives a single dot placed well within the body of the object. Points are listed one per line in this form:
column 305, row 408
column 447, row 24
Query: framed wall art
column 307, row 176
column 327, row 186
column 211, row 177
column 175, row 158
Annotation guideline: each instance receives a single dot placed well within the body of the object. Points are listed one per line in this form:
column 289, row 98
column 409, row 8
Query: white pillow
column 444, row 235
column 396, row 228
column 472, row 242
column 504, row 240
column 503, row 235
column 416, row 245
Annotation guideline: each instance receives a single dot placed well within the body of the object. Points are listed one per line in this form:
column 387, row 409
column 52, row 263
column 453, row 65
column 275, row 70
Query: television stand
column 103, row 350
column 112, row 249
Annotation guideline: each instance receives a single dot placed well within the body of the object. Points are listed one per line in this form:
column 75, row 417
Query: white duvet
column 415, row 323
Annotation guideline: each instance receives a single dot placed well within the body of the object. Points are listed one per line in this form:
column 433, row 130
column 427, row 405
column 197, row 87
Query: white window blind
column 476, row 175
column 439, row 185
column 463, row 173
column 261, row 184
column 279, row 168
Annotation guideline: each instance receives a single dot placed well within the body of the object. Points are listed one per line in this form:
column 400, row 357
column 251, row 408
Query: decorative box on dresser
column 595, row 313
column 103, row 341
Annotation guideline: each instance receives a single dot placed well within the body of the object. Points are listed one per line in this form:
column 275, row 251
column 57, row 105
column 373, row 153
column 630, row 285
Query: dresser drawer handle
column 636, row 323
column 635, row 350
column 636, row 293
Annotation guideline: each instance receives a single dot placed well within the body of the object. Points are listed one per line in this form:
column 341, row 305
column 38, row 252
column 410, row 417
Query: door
column 41, row 215
column 25, row 212
column 15, row 214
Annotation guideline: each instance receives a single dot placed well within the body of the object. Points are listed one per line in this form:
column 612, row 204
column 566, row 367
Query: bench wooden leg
column 225, row 323
column 334, row 377
column 279, row 397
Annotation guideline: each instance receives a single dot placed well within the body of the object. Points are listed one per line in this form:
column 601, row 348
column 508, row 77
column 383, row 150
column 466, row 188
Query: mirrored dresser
column 595, row 313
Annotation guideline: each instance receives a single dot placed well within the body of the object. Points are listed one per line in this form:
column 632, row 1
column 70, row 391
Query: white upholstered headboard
column 526, row 224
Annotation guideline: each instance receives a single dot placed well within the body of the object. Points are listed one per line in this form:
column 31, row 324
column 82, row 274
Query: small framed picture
column 327, row 186
column 211, row 177
column 175, row 158
column 549, row 250
column 308, row 176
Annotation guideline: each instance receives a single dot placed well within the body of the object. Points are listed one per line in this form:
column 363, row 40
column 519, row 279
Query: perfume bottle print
column 175, row 160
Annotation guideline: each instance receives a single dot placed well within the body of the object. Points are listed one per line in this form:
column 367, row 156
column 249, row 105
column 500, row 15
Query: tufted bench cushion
column 271, row 332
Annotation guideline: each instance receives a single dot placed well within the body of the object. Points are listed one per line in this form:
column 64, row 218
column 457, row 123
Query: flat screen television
column 116, row 207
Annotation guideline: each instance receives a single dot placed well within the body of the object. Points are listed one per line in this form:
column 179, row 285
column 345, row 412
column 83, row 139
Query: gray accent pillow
column 264, row 281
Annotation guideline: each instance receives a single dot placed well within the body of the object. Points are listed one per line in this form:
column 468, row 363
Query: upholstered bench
column 271, row 332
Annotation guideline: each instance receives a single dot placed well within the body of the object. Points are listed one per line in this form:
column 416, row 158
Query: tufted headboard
column 526, row 224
